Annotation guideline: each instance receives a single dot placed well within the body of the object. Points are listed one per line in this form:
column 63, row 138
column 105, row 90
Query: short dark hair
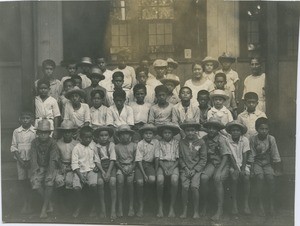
column 43, row 81
column 48, row 62
column 28, row 113
column 221, row 75
column 138, row 87
column 202, row 92
column 119, row 93
column 76, row 77
column 85, row 129
column 69, row 80
column 118, row 74
column 141, row 69
column 161, row 88
column 185, row 87
column 70, row 62
column 251, row 95
column 256, row 58
column 260, row 121
column 198, row 63
column 99, row 91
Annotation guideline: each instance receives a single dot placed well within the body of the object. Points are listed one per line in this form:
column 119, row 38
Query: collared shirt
column 216, row 148
column 223, row 114
column 129, row 76
column 146, row 151
column 210, row 76
column 192, row 154
column 55, row 88
column 78, row 117
column 116, row 119
column 179, row 114
column 230, row 103
column 107, row 151
column 88, row 91
column 84, row 157
column 255, row 84
column 98, row 115
column 207, row 85
column 231, row 77
column 65, row 149
column 264, row 151
column 108, row 77
column 173, row 99
column 140, row 112
column 21, row 141
column 126, row 152
column 158, row 115
column 238, row 149
column 248, row 119
column 168, row 151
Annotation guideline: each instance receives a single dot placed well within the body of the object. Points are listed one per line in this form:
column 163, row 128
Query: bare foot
column 196, row 215
column 217, row 216
column 234, row 210
column 203, row 212
column 76, row 213
column 171, row 213
column 183, row 215
column 50, row 208
column 120, row 213
column 43, row 214
column 113, row 216
column 160, row 213
column 247, row 210
column 261, row 211
column 102, row 214
column 131, row 212
column 140, row 213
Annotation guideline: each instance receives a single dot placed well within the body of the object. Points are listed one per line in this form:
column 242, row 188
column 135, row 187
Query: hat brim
column 85, row 63
column 197, row 126
column 98, row 75
column 215, row 63
column 164, row 80
column 124, row 131
column 61, row 128
column 161, row 128
column 219, row 95
column 108, row 129
column 142, row 130
column 214, row 124
column 78, row 91
column 242, row 127
column 231, row 59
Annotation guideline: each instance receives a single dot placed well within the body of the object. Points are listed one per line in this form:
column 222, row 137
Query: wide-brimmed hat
column 124, row 129
column 231, row 124
column 169, row 125
column 170, row 78
column 190, row 123
column 76, row 89
column 44, row 125
column 86, row 60
column 67, row 125
column 214, row 122
column 227, row 56
column 160, row 63
column 172, row 62
column 98, row 129
column 210, row 59
column 147, row 127
column 96, row 72
column 219, row 93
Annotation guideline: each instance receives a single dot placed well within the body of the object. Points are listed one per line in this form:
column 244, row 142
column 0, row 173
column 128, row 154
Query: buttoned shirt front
column 179, row 114
column 237, row 149
column 223, row 114
column 168, row 151
column 55, row 88
column 107, row 151
column 79, row 116
column 65, row 149
column 98, row 115
column 158, row 115
column 146, row 151
column 140, row 112
column 116, row 119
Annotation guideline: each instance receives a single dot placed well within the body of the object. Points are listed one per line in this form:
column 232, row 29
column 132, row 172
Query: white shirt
column 207, row 85
column 116, row 119
column 179, row 115
column 223, row 114
column 98, row 116
column 78, row 117
column 108, row 77
column 140, row 112
column 237, row 149
column 129, row 76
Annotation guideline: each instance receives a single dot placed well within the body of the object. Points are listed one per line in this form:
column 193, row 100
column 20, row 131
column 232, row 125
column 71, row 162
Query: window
column 157, row 9
column 120, row 38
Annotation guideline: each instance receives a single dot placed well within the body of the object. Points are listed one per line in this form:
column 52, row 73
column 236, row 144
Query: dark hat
column 103, row 128
column 96, row 72
column 190, row 123
column 76, row 89
column 214, row 122
column 231, row 124
column 169, row 125
column 172, row 62
column 227, row 56
column 210, row 59
column 124, row 129
column 86, row 60
column 170, row 78
column 147, row 127
column 67, row 125
column 44, row 125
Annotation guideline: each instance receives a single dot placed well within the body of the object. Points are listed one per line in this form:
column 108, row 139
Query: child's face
column 170, row 69
column 43, row 135
column 101, row 64
column 68, row 86
column 43, row 90
column 190, row 133
column 86, row 138
column 86, row 68
column 167, row 135
column 255, row 67
column 220, row 82
column 119, row 102
column 251, row 104
column 26, row 121
column 140, row 95
column 97, row 100
column 263, row 130
column 142, row 78
column 209, row 67
column 148, row 135
column 170, row 86
column 68, row 135
column 203, row 101
column 48, row 70
column 103, row 137
column 161, row 97
column 72, row 69
column 78, row 83
column 118, row 82
column 218, row 102
column 212, row 131
column 95, row 80
column 75, row 98
column 125, row 138
column 235, row 132
column 144, row 64
column 185, row 94
column 160, row 71
column 197, row 71
column 226, row 65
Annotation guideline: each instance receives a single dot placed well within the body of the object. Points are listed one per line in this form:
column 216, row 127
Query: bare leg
column 220, row 197
column 92, row 195
column 47, row 196
column 102, row 198
column 246, row 194
column 184, row 194
column 113, row 193
column 174, row 188
column 234, row 191
column 140, row 193
column 130, row 194
column 204, row 185
column 78, row 198
column 259, row 185
column 195, row 192
column 160, row 189
column 120, row 186
column 271, row 185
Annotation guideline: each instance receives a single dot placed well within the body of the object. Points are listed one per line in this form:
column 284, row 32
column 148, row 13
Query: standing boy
column 85, row 64
column 171, row 81
column 98, row 110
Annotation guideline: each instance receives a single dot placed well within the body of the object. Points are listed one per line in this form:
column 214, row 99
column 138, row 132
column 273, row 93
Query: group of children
column 129, row 127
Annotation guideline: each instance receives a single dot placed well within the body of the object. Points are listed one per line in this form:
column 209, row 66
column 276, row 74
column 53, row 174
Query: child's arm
column 79, row 174
column 119, row 166
column 87, row 116
column 21, row 162
column 55, row 122
column 110, row 167
column 156, row 164
column 199, row 167
column 140, row 165
column 99, row 166
column 151, row 118
column 223, row 163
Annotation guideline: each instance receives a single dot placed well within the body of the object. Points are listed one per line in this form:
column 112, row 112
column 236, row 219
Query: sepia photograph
column 148, row 112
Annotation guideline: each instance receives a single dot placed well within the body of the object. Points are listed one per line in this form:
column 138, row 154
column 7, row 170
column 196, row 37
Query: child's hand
column 125, row 171
column 107, row 176
column 187, row 172
column 192, row 172
column 95, row 169
column 146, row 178
column 83, row 180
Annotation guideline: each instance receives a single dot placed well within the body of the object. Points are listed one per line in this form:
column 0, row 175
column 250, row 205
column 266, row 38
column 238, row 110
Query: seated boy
column 43, row 160
column 204, row 107
column 192, row 160
column 62, row 100
column 98, row 110
column 125, row 152
column 77, row 81
column 217, row 166
column 84, row 157
column 101, row 63
column 251, row 114
column 239, row 148
column 145, row 156
column 20, row 146
column 171, row 81
column 107, row 170
column 166, row 157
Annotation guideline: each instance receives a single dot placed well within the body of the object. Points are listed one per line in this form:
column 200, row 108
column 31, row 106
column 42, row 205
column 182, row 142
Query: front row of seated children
column 95, row 160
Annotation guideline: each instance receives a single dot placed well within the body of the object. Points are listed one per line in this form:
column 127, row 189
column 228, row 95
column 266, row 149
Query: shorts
column 247, row 170
column 91, row 177
column 40, row 178
column 194, row 182
column 64, row 176
column 148, row 168
column 168, row 164
column 126, row 166
column 266, row 169
column 211, row 169
column 23, row 173
column 105, row 165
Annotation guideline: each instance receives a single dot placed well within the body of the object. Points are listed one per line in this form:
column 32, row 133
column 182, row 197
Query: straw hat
column 212, row 60
column 190, row 123
column 86, row 60
column 44, row 125
column 219, row 93
column 214, row 122
column 67, row 125
column 170, row 78
column 77, row 90
column 231, row 124
column 97, row 72
column 227, row 56
column 124, row 129
column 172, row 62
column 103, row 128
column 160, row 63
column 147, row 127
column 169, row 125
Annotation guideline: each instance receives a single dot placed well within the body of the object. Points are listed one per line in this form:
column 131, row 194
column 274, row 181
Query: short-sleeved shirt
column 238, row 149
column 230, row 103
column 65, row 149
column 192, row 155
column 168, row 151
column 210, row 76
column 107, row 151
column 88, row 91
column 55, row 88
column 149, row 98
column 146, row 151
column 152, row 81
column 21, row 141
column 84, row 157
column 248, row 119
column 158, row 115
column 231, row 77
column 129, row 76
column 116, row 119
column 78, row 117
column 223, row 114
column 126, row 153
column 216, row 148
column 98, row 115
column 179, row 114
column 207, row 85
column 140, row 112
